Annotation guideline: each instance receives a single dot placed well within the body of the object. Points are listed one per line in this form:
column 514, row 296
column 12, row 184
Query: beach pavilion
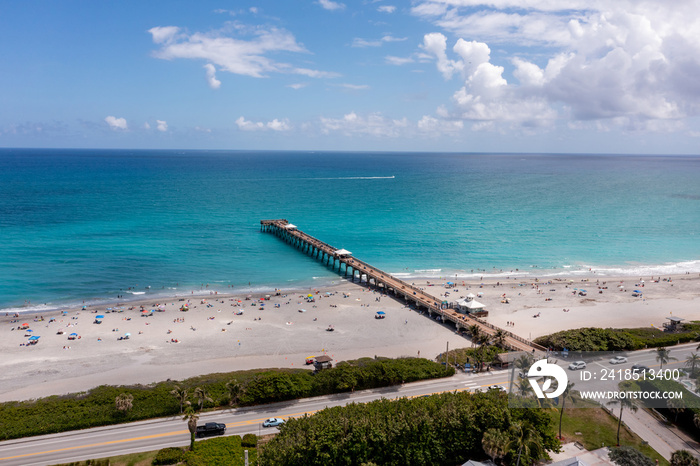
column 471, row 306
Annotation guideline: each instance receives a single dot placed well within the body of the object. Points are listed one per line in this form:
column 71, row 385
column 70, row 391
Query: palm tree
column 693, row 361
column 523, row 363
column 676, row 406
column 524, row 388
column 499, row 338
column 564, row 396
column 192, row 417
column 527, row 440
column 624, row 403
column 124, row 402
column 474, row 331
column 202, row 396
column 495, row 443
column 181, row 395
column 235, row 390
column 663, row 356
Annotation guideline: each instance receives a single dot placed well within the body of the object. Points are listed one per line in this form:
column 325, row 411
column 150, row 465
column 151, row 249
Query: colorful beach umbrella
column 34, row 338
column 29, row 330
column 99, row 317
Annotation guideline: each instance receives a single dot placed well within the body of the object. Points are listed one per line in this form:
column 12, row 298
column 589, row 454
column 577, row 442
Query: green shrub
column 222, row 451
column 611, row 339
column 97, row 407
column 167, row 456
column 250, row 440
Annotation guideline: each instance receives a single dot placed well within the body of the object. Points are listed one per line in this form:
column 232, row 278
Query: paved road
column 160, row 433
column 155, row 434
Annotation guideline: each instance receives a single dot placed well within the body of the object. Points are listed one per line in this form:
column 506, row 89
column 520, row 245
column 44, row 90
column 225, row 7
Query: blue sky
column 428, row 75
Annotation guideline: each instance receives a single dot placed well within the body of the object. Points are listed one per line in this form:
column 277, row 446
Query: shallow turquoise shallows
column 91, row 225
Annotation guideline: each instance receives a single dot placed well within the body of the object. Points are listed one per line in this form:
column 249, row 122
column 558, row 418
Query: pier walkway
column 353, row 267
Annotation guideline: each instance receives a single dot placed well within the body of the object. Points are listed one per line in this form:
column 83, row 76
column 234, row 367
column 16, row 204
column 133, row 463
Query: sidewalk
column 665, row 439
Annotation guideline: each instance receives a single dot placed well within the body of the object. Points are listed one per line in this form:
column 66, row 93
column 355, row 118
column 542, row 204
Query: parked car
column 273, row 422
column 618, row 360
column 576, row 365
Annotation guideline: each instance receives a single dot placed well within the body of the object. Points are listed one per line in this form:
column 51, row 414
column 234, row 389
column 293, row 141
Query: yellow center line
column 111, row 442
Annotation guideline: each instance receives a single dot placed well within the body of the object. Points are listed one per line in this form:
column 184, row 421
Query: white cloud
column 116, row 123
column 358, row 42
column 245, row 54
column 164, row 34
column 162, row 125
column 434, row 127
column 211, row 76
column 274, row 125
column 626, row 64
column 355, row 87
column 398, row 60
column 277, row 125
column 386, row 9
column 330, row 5
column 146, row 126
column 374, row 124
column 297, row 86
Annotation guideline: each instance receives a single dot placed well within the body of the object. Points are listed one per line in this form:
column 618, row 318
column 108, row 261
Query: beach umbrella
column 99, row 317
column 25, row 325
column 637, row 291
column 34, row 338
column 381, row 313
column 29, row 330
column 127, row 334
column 73, row 334
column 450, row 283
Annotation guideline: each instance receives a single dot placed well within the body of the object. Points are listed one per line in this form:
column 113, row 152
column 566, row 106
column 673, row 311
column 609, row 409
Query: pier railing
column 326, row 253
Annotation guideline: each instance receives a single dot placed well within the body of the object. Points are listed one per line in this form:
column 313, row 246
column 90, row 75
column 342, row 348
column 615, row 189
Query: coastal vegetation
column 614, row 339
column 448, row 428
column 107, row 405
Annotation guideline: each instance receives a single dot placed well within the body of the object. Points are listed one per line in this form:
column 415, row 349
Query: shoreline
column 215, row 336
column 576, row 272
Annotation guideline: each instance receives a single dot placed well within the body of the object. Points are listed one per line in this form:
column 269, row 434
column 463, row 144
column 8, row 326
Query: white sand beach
column 214, row 336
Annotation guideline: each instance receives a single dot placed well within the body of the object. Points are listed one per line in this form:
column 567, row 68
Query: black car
column 640, row 368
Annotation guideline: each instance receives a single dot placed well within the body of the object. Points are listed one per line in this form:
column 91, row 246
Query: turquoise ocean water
column 88, row 225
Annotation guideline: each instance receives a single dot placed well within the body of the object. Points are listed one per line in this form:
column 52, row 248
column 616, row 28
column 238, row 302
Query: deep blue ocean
column 89, row 225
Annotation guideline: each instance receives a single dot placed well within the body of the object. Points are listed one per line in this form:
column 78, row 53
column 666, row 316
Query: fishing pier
column 352, row 267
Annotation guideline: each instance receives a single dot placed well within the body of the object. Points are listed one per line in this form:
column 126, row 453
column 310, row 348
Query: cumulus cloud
column 627, row 64
column 116, row 123
column 274, row 125
column 162, row 125
column 211, row 76
column 236, row 49
column 386, row 9
column 330, row 5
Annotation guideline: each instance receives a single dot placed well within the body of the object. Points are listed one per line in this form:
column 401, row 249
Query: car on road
column 618, row 360
column 273, row 422
column 497, row 387
column 576, row 365
column 640, row 368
